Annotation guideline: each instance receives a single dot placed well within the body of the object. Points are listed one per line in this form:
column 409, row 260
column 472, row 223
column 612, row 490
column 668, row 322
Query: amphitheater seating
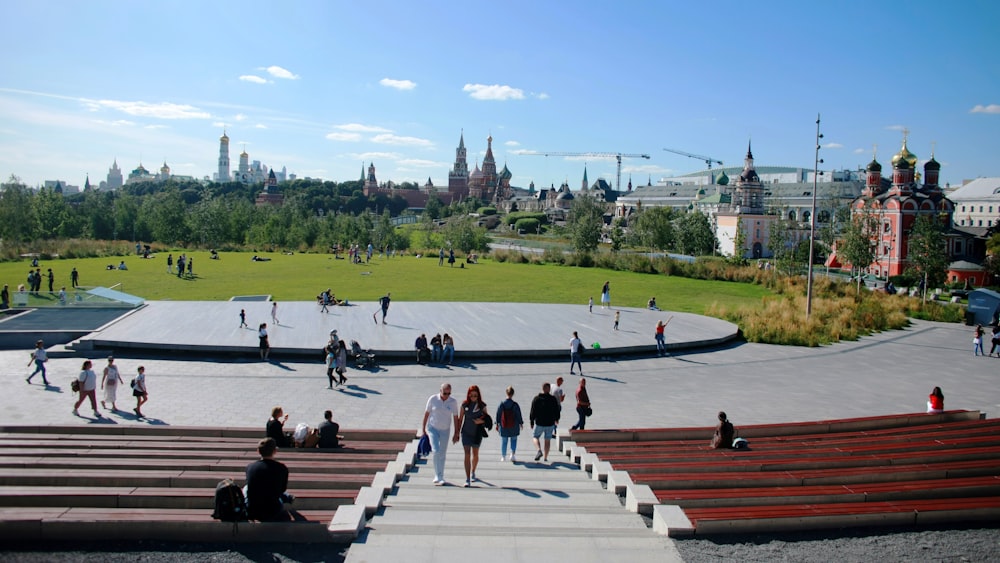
column 140, row 482
column 885, row 470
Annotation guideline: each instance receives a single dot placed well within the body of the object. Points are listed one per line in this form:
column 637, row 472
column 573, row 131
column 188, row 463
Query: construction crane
column 616, row 155
column 708, row 160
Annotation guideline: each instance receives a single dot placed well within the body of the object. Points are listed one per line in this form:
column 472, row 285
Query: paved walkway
column 890, row 372
column 481, row 330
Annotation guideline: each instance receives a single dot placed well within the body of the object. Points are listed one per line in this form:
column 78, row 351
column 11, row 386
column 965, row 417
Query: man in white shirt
column 558, row 392
column 441, row 411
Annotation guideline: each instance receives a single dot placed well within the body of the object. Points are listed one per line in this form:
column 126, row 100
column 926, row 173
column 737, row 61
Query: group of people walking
column 445, row 418
column 86, row 385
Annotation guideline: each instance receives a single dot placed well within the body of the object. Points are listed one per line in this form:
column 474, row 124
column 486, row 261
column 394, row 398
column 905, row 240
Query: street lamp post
column 812, row 223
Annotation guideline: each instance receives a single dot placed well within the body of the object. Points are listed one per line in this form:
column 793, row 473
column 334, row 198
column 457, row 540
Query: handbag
column 75, row 385
column 588, row 411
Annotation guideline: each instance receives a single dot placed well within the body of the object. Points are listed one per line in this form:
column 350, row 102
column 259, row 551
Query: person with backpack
column 582, row 405
column 472, row 419
column 267, row 481
column 509, row 422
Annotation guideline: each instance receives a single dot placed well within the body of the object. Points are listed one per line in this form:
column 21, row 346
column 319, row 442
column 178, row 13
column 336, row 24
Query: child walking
column 618, row 315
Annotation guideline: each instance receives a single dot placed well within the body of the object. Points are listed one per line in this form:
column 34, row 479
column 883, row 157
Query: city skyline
column 323, row 88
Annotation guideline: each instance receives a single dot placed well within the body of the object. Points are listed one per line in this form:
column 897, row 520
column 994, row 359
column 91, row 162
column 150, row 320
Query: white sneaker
column 513, row 458
column 467, row 484
column 502, row 458
column 435, row 480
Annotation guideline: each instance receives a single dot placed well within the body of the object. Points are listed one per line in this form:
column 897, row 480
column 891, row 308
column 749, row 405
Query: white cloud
column 239, row 117
column 512, row 144
column 493, row 92
column 156, row 127
column 359, row 128
column 161, row 110
column 833, row 146
column 260, row 126
column 278, row 72
column 860, row 151
column 218, row 124
column 991, row 108
column 349, row 137
column 541, row 96
column 419, row 163
column 398, row 84
column 123, row 123
column 896, row 127
column 254, row 78
column 390, row 139
column 376, row 155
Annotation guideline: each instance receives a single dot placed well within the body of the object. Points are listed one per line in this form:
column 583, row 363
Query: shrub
column 527, row 225
column 484, row 211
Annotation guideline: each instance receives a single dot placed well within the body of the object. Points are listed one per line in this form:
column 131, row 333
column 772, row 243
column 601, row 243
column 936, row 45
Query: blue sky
column 320, row 87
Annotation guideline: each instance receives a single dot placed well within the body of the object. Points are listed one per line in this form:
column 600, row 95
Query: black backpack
column 507, row 418
column 230, row 504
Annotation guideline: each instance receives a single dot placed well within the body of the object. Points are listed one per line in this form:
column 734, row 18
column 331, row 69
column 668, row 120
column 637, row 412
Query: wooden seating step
column 18, row 476
column 811, row 516
column 168, row 457
column 377, row 435
column 818, row 494
column 356, row 447
column 178, row 525
column 206, row 464
column 202, row 498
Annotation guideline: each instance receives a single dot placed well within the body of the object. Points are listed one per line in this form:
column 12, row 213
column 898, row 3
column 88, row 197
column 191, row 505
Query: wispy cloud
column 254, row 78
column 239, row 117
column 344, row 136
column 991, row 108
column 375, row 155
column 860, row 151
column 512, row 144
column 391, row 139
column 541, row 95
column 279, row 72
column 260, row 126
column 161, row 110
column 123, row 123
column 360, row 128
column 896, row 127
column 833, row 146
column 419, row 163
column 398, row 84
column 493, row 92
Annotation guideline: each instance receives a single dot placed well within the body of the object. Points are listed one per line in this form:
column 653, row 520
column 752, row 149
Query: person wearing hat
column 109, row 383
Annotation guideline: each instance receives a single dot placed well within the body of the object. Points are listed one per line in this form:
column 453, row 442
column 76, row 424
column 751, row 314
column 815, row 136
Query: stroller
column 363, row 359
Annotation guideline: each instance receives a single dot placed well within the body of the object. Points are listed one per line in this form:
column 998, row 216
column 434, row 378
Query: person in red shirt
column 935, row 401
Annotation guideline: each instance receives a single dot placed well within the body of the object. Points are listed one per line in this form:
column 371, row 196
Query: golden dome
column 905, row 154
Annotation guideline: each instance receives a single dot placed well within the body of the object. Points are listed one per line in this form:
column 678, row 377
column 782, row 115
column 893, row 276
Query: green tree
column 585, row 222
column 51, row 211
column 695, row 235
column 655, row 228
column 18, row 222
column 928, row 251
column 433, row 209
column 860, row 241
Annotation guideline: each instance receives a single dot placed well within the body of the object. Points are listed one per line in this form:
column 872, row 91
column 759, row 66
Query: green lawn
column 301, row 277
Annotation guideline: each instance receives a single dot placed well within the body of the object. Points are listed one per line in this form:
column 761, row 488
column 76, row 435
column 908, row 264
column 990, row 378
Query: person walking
column 331, row 364
column 545, row 411
column 88, row 388
column 661, row 338
column 39, row 356
column 582, row 405
column 74, row 278
column 618, row 316
column 470, row 421
column 449, row 349
column 509, row 424
column 977, row 341
column 995, row 339
column 140, row 391
column 265, row 345
column 606, row 295
column 442, row 409
column 52, row 279
column 62, row 296
column 575, row 353
column 243, row 318
column 383, row 303
column 109, row 383
column 441, row 257
column 341, row 362
column 558, row 392
column 590, row 304
column 170, row 263
column 274, row 313
column 5, row 297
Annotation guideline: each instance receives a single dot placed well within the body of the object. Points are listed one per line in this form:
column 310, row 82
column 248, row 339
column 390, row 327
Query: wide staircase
column 910, row 469
column 141, row 482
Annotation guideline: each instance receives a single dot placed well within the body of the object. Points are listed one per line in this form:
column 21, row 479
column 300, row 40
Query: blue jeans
column 436, row 354
column 503, row 445
column 449, row 354
column 39, row 367
column 661, row 345
column 439, row 448
column 574, row 358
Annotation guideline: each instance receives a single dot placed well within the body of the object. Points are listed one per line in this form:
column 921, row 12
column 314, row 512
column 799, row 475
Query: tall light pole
column 812, row 224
